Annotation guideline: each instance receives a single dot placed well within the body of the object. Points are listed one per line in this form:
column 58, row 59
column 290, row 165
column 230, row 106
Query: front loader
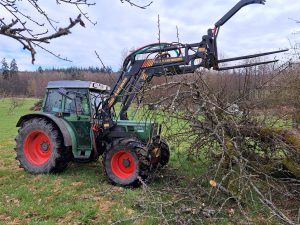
column 78, row 121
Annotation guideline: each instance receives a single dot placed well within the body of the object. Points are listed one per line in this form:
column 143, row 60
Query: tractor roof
column 77, row 84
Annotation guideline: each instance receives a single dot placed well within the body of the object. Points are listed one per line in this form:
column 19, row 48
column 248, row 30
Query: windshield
column 53, row 102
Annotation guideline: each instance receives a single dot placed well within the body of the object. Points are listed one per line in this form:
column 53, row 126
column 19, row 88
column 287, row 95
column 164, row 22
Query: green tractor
column 78, row 121
column 69, row 128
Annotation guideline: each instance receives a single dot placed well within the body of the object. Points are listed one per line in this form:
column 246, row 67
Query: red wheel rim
column 37, row 148
column 123, row 164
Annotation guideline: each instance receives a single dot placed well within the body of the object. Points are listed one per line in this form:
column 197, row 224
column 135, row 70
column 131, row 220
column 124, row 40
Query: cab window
column 77, row 105
column 54, row 102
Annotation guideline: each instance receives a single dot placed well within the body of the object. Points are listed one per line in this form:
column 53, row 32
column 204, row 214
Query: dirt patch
column 57, row 187
column 68, row 218
column 37, row 178
column 77, row 184
column 103, row 205
column 4, row 218
column 9, row 221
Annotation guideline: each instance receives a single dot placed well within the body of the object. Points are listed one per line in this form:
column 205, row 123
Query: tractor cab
column 74, row 97
column 76, row 103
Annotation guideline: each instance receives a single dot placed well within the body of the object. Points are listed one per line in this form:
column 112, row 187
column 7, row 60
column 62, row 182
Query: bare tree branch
column 23, row 27
column 137, row 5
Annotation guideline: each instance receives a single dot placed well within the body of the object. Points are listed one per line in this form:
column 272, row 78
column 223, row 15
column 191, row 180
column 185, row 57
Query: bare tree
column 31, row 33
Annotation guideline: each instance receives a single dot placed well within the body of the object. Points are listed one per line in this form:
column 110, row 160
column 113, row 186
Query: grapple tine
column 246, row 65
column 251, row 56
column 236, row 8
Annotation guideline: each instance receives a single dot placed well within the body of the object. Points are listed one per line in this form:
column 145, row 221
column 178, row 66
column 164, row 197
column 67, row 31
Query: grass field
column 79, row 195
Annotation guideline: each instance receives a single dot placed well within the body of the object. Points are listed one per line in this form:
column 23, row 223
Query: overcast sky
column 256, row 28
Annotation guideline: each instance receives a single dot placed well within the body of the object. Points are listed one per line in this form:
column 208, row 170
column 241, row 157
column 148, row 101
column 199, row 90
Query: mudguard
column 69, row 139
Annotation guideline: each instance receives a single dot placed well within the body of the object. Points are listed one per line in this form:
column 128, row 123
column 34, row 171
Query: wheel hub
column 44, row 146
column 126, row 163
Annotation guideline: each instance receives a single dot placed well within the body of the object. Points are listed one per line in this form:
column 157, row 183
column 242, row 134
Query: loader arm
column 228, row 16
column 237, row 8
column 169, row 59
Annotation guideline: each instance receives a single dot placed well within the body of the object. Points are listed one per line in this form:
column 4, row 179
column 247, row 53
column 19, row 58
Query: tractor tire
column 125, row 162
column 164, row 153
column 40, row 148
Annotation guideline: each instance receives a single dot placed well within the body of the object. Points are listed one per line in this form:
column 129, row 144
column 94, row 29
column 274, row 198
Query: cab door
column 76, row 112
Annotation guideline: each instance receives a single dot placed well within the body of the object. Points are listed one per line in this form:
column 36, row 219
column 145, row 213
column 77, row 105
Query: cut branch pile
column 246, row 159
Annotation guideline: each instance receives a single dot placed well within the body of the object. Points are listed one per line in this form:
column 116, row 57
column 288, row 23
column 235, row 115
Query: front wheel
column 126, row 162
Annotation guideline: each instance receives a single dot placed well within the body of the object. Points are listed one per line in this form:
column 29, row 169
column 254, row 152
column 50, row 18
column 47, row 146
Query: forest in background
column 262, row 86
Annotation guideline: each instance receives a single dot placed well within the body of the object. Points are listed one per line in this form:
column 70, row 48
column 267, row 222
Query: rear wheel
column 40, row 148
column 125, row 162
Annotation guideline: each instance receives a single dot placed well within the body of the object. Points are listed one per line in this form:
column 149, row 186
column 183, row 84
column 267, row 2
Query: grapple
column 187, row 58
column 168, row 59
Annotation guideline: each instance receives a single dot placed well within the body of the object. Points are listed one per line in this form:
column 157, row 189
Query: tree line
column 255, row 84
column 33, row 83
column 74, row 69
